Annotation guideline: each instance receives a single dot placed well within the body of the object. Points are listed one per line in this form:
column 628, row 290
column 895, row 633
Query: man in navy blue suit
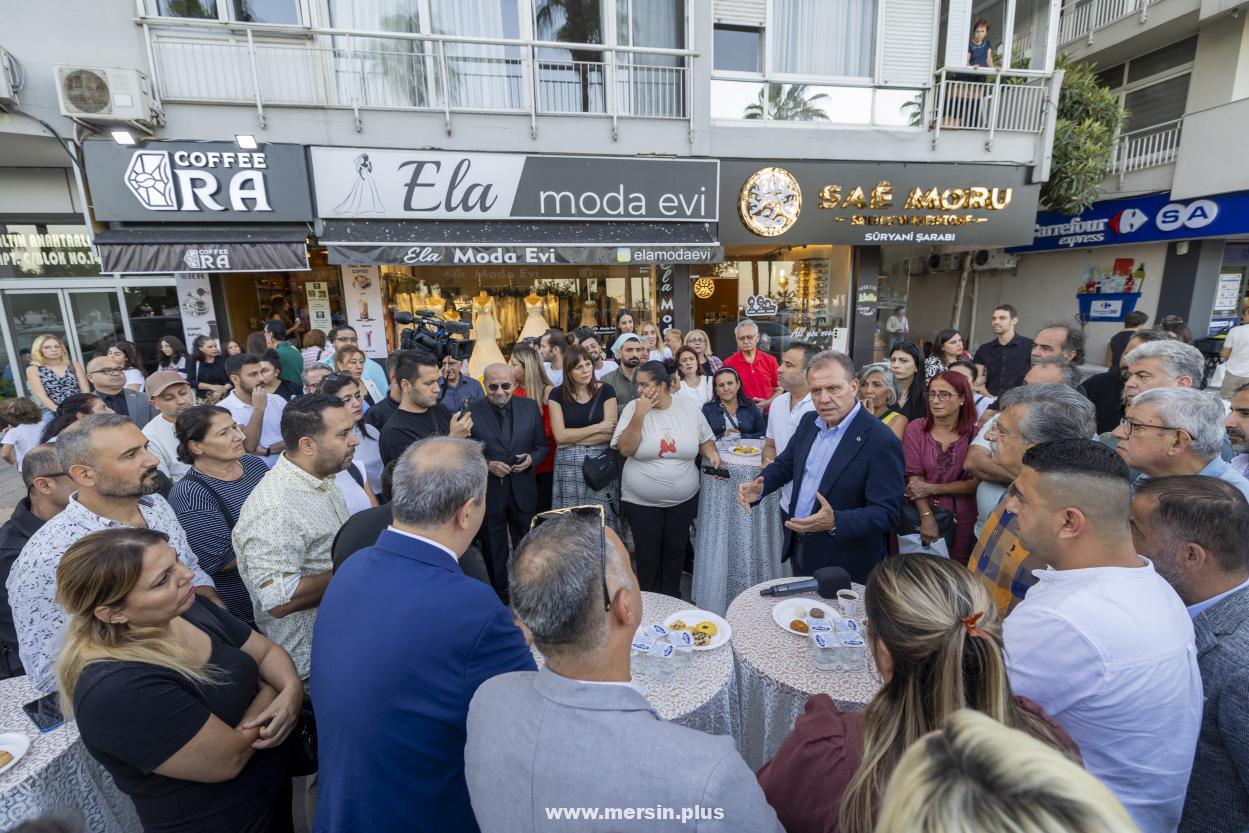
column 403, row 640
column 846, row 466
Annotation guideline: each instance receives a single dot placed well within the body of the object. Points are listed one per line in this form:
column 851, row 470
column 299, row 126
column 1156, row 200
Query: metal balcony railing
column 260, row 65
column 1084, row 17
column 1148, row 147
column 990, row 101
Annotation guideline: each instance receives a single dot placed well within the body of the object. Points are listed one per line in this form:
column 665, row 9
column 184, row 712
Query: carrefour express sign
column 1146, row 219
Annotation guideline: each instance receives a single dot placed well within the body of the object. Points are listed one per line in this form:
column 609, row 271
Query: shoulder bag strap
column 192, row 474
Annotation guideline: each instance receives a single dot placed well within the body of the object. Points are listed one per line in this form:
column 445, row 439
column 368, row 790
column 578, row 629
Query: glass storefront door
column 96, row 319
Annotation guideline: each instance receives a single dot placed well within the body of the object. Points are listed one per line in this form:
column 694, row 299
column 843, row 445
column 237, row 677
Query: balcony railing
column 990, row 101
column 265, row 66
column 1084, row 17
column 1148, row 147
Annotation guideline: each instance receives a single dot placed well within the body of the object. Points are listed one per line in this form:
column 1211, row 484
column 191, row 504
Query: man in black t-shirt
column 419, row 414
column 1132, row 322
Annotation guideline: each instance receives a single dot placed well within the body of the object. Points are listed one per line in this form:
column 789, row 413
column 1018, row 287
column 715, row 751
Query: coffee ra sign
column 206, row 182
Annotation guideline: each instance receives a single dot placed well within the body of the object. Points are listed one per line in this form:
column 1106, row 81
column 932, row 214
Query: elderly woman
column 700, row 343
column 661, row 437
column 730, row 414
column 878, row 391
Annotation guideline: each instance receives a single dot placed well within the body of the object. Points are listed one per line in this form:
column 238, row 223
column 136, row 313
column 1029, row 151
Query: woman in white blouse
column 650, row 337
column 692, row 382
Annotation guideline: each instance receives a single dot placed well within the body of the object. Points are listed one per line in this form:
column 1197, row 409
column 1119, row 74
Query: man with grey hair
column 527, row 752
column 1105, row 389
column 1162, row 364
column 758, row 371
column 402, row 616
column 1031, row 414
column 1170, row 431
column 313, row 375
column 116, row 477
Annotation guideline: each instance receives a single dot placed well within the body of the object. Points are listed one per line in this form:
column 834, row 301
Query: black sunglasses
column 589, row 510
column 500, row 386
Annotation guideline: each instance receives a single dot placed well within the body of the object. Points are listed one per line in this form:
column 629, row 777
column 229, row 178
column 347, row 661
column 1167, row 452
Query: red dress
column 549, row 463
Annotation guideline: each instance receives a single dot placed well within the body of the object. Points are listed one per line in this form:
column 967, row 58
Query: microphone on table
column 826, row 581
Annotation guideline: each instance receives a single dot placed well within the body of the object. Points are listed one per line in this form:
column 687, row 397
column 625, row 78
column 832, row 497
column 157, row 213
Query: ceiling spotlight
column 246, row 141
column 123, row 137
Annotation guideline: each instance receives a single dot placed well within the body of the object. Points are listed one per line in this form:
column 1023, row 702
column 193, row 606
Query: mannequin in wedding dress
column 535, row 322
column 486, row 331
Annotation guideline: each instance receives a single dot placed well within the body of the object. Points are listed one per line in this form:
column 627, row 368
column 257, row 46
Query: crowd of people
column 256, row 545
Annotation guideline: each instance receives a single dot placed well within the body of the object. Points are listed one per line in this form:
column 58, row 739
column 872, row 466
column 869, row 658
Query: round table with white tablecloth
column 56, row 775
column 775, row 674
column 702, row 696
column 734, row 549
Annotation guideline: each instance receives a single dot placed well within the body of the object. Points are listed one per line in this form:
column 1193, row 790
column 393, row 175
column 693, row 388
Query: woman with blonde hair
column 700, row 342
column 184, row 705
column 51, row 376
column 936, row 638
column 533, row 383
column 976, row 774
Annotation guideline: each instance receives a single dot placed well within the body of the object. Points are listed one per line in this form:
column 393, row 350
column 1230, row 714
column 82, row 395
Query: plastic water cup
column 683, row 656
column 824, row 651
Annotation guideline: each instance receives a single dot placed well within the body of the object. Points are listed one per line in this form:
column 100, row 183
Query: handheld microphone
column 826, row 581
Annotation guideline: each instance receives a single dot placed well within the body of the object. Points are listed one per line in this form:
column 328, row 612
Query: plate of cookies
column 800, row 615
column 13, row 746
column 708, row 630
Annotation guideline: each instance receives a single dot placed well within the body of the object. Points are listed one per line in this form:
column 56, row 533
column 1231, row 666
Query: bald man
column 108, row 381
column 511, row 433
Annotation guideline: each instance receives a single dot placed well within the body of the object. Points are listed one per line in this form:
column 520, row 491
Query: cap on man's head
column 161, row 379
column 624, row 339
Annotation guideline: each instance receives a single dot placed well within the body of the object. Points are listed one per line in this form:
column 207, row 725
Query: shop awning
column 379, row 242
column 145, row 250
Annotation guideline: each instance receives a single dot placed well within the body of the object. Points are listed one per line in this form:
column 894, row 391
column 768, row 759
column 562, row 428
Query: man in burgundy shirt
column 759, row 371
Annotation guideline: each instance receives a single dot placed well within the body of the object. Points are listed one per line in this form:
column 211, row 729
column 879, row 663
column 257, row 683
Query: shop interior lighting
column 246, row 141
column 123, row 137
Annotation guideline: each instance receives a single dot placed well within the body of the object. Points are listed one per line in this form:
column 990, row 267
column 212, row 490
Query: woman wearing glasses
column 211, row 495
column 51, row 376
column 661, row 437
column 934, row 448
column 701, row 344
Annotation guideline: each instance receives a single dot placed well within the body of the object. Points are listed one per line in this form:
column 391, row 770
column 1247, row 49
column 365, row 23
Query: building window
column 281, row 12
column 198, row 9
column 738, row 49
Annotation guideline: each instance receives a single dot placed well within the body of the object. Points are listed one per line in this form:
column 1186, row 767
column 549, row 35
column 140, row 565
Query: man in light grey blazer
column 577, row 737
column 1196, row 530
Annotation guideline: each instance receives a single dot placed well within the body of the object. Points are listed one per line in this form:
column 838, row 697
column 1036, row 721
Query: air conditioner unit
column 986, row 260
column 917, row 265
column 944, row 263
column 105, row 94
column 10, row 72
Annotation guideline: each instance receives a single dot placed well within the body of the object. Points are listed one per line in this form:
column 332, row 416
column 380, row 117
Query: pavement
column 11, row 490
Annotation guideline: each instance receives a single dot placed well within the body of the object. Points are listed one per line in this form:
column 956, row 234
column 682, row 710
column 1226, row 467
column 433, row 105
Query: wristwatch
column 264, row 451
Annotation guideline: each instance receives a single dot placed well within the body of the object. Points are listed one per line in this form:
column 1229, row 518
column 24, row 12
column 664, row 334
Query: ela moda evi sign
column 371, row 183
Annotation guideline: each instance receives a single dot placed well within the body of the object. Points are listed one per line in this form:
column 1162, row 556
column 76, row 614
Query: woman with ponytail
column 936, row 638
column 184, row 705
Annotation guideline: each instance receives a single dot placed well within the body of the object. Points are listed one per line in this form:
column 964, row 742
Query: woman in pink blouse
column 935, row 448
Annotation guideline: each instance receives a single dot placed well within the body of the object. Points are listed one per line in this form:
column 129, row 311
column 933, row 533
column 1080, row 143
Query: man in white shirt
column 257, row 412
column 784, row 415
column 589, row 343
column 1101, row 641
column 1236, row 353
column 551, row 349
column 171, row 395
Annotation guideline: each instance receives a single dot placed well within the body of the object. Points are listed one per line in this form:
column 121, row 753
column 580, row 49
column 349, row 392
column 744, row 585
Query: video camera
column 431, row 333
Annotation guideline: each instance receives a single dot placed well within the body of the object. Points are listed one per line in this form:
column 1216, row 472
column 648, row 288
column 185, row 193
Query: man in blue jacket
column 846, row 466
column 403, row 640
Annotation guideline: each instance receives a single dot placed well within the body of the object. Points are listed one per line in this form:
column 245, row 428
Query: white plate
column 16, row 744
column 693, row 616
column 783, row 612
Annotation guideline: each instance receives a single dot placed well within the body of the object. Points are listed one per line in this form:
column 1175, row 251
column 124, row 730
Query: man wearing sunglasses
column 527, row 750
column 510, row 431
column 48, row 491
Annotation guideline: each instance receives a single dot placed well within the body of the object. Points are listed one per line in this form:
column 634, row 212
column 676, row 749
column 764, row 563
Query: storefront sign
column 383, row 255
column 760, row 306
column 432, row 185
column 803, row 203
column 198, row 182
column 32, row 251
column 318, row 305
column 665, row 297
column 162, row 258
column 195, row 301
column 1141, row 220
column 362, row 295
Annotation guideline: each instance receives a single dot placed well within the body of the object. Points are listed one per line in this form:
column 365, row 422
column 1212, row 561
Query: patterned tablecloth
column 702, row 696
column 734, row 550
column 56, row 775
column 775, row 674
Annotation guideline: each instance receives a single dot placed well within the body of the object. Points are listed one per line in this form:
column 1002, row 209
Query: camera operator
column 420, row 414
column 457, row 387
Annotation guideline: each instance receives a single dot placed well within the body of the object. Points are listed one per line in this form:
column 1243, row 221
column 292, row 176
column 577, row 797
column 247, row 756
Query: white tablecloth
column 702, row 696
column 57, row 774
column 775, row 674
column 734, row 550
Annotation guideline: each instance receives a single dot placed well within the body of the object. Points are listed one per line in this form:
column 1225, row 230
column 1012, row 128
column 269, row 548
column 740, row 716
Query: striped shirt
column 208, row 531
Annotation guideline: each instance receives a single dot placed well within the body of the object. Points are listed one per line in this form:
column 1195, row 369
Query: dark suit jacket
column 863, row 483
column 402, row 641
column 527, row 437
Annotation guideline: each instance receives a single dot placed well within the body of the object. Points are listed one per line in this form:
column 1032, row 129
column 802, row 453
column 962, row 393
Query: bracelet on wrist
column 925, row 514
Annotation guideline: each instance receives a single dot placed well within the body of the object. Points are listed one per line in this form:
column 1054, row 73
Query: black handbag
column 601, row 470
column 302, row 743
column 908, row 523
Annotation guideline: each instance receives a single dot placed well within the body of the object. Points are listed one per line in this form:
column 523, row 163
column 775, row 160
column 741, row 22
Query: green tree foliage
column 1089, row 119
column 787, row 102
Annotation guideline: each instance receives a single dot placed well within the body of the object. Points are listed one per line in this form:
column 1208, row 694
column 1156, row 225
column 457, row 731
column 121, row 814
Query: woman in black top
column 907, row 365
column 205, row 372
column 730, row 412
column 583, row 416
column 184, row 705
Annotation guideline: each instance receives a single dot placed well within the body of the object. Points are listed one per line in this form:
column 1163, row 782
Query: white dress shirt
column 782, row 422
column 270, row 427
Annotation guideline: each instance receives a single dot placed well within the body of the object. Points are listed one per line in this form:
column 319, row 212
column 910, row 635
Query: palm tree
column 787, row 102
column 580, row 21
